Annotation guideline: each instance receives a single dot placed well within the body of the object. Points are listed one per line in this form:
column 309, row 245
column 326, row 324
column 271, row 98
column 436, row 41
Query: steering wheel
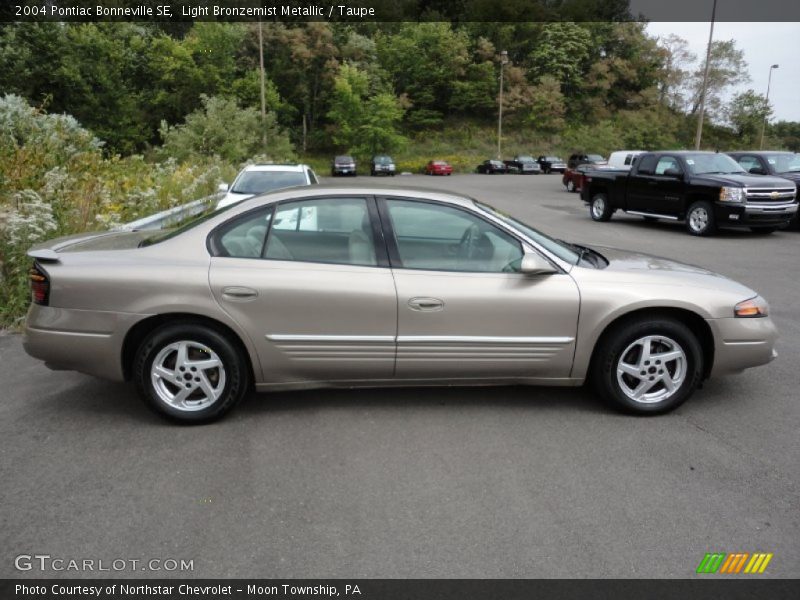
column 468, row 245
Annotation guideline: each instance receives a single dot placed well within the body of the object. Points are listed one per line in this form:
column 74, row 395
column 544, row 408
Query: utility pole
column 503, row 62
column 764, row 124
column 263, row 92
column 699, row 135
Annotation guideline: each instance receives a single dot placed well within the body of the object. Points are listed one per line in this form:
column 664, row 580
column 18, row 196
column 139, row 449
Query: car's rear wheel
column 700, row 219
column 571, row 186
column 190, row 372
column 648, row 366
column 599, row 208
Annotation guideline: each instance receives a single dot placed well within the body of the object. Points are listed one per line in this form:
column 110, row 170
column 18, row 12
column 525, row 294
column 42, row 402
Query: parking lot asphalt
column 477, row 482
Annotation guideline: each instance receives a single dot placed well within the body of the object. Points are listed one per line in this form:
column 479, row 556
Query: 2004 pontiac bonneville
column 369, row 287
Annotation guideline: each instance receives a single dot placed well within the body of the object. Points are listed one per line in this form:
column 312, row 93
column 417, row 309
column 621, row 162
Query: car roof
column 343, row 189
column 761, row 152
column 276, row 167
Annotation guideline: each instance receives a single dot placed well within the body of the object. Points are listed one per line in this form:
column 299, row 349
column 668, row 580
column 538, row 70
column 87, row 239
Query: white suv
column 259, row 179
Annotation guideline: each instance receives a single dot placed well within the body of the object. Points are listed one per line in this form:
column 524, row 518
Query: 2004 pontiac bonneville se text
column 372, row 287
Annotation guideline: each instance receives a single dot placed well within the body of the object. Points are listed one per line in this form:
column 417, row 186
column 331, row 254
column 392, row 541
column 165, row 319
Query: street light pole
column 764, row 123
column 699, row 134
column 503, row 62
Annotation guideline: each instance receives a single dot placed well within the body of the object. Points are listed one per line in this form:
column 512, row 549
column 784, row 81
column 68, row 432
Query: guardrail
column 171, row 216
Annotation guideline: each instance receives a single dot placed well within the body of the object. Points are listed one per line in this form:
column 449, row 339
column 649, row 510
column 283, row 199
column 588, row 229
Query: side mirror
column 675, row 173
column 223, row 187
column 757, row 171
column 533, row 264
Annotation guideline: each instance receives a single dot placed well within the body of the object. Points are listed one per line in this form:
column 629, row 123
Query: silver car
column 331, row 286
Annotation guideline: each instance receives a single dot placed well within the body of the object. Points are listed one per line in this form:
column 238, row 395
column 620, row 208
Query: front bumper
column 754, row 215
column 78, row 340
column 740, row 344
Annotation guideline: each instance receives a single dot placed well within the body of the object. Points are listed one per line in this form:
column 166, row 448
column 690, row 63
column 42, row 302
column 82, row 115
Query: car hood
column 743, row 180
column 790, row 175
column 645, row 268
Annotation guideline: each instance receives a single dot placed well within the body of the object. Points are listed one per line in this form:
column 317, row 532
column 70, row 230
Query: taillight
column 40, row 285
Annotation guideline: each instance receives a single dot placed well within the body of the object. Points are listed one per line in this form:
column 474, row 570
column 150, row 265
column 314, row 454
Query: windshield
column 383, row 160
column 709, row 164
column 561, row 250
column 343, row 160
column 553, row 159
column 595, row 158
column 525, row 159
column 785, row 162
column 258, row 182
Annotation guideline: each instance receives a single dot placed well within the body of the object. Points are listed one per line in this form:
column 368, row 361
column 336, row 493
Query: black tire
column 622, row 346
column 700, row 220
column 763, row 230
column 233, row 375
column 599, row 209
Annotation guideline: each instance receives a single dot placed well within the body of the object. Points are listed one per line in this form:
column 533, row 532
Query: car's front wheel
column 700, row 219
column 599, row 208
column 650, row 365
column 190, row 372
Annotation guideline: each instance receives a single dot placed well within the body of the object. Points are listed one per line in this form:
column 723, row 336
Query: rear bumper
column 740, row 344
column 754, row 215
column 78, row 340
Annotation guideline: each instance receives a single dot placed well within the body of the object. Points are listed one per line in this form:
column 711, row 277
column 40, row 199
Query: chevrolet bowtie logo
column 721, row 562
column 774, row 195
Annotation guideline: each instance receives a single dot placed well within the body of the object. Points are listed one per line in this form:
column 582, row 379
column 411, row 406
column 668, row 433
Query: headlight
column 732, row 194
column 754, row 307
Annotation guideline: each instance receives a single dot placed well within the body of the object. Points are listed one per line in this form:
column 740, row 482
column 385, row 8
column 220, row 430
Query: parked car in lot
column 343, row 165
column 581, row 159
column 382, row 165
column 573, row 178
column 491, row 167
column 524, row 165
column 333, row 286
column 258, row 179
column 707, row 190
column 551, row 164
column 785, row 165
column 438, row 167
column 623, row 159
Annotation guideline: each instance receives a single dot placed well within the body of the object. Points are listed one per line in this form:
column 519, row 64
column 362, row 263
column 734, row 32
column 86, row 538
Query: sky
column 764, row 44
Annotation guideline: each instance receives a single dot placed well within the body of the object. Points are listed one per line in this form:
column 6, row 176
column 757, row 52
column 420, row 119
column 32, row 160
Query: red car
column 573, row 178
column 438, row 167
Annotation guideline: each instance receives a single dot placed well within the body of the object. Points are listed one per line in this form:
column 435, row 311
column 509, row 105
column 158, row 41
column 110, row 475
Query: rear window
column 259, row 182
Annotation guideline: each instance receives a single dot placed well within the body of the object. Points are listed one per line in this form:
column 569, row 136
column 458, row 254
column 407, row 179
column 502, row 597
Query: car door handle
column 238, row 293
column 426, row 304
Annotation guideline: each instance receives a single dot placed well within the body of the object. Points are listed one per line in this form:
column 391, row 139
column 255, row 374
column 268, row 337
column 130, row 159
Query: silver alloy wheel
column 570, row 186
column 651, row 369
column 188, row 375
column 698, row 219
column 598, row 207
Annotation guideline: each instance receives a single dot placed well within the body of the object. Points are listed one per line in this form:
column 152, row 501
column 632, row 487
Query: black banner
column 401, row 589
column 397, row 10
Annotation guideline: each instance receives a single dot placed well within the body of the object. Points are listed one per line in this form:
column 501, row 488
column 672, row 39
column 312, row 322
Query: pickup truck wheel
column 571, row 186
column 648, row 366
column 700, row 219
column 190, row 373
column 599, row 209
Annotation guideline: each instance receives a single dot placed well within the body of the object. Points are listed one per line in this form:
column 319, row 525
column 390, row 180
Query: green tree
column 746, row 113
column 727, row 69
column 363, row 123
column 221, row 128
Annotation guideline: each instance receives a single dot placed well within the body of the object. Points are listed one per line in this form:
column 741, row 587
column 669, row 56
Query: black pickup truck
column 705, row 189
column 769, row 162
